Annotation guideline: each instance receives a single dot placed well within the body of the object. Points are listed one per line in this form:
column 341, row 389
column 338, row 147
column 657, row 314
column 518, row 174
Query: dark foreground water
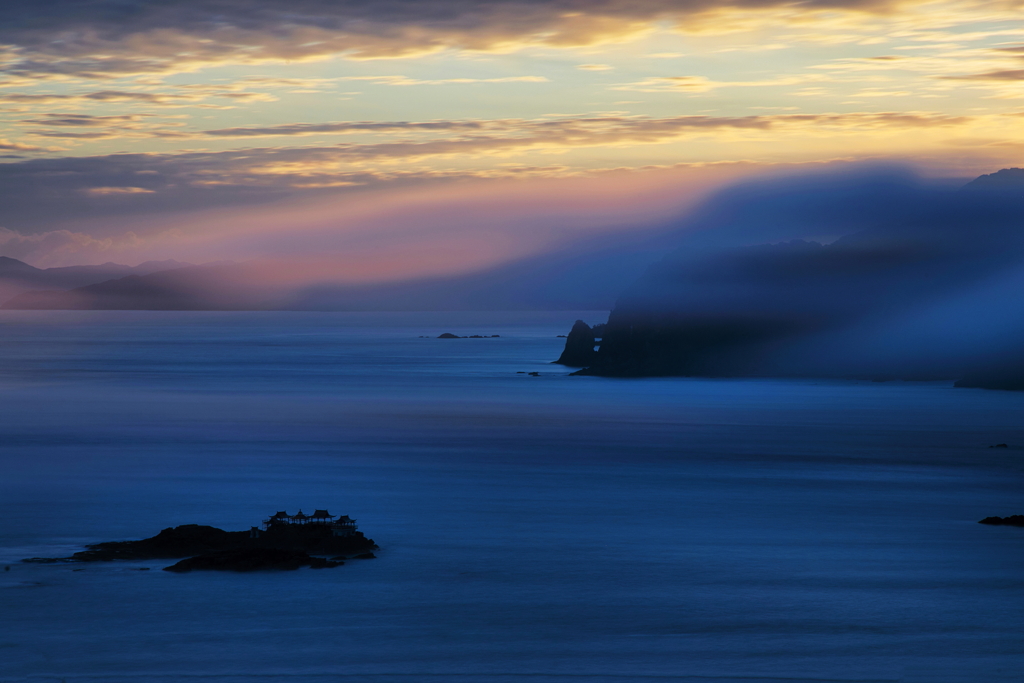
column 547, row 529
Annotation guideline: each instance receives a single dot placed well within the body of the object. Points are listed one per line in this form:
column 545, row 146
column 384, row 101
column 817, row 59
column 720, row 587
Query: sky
column 419, row 136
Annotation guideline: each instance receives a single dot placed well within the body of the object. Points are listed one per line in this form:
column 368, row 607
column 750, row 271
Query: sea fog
column 538, row 528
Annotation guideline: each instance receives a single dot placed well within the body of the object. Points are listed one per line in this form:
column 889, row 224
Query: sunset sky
column 136, row 129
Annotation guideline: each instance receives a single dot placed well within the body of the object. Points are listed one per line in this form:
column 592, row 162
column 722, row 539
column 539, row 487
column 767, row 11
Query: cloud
column 348, row 127
column 703, row 84
column 55, row 244
column 1005, row 75
column 491, row 136
column 519, row 132
column 104, row 38
column 118, row 190
column 183, row 95
column 78, row 135
column 98, row 96
column 8, row 146
column 74, row 127
column 38, row 192
column 405, row 80
column 669, row 84
column 82, row 120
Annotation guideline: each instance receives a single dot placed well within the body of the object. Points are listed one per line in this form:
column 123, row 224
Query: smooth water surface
column 545, row 529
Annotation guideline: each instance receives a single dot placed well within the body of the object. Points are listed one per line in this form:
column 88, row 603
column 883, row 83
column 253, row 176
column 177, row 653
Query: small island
column 449, row 335
column 284, row 542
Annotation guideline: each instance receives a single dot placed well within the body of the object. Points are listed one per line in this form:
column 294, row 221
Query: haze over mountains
column 761, row 264
column 588, row 274
column 17, row 276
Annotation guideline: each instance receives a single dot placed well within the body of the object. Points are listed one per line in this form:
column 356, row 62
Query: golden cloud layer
column 108, row 38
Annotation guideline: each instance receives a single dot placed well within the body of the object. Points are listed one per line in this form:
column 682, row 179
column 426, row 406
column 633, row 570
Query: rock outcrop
column 250, row 560
column 197, row 540
column 1009, row 377
column 579, row 346
column 1012, row 520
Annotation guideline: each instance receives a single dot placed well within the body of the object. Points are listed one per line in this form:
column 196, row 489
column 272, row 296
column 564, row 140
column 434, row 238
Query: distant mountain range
column 587, row 275
column 17, row 276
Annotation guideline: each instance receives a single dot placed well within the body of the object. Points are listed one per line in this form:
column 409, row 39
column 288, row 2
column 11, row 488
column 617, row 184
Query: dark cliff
column 579, row 346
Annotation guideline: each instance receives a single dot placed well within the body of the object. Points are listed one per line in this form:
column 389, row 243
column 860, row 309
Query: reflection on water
column 547, row 528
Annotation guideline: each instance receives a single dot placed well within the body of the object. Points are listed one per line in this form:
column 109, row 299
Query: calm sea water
column 545, row 529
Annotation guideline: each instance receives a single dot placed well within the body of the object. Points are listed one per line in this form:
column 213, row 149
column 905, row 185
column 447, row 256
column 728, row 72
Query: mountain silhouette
column 586, row 275
column 17, row 276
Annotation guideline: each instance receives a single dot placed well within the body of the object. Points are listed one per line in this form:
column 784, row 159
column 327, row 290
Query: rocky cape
column 579, row 345
column 920, row 284
column 1012, row 520
column 213, row 548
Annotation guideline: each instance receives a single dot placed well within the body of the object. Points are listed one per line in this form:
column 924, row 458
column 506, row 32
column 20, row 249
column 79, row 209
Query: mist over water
column 547, row 528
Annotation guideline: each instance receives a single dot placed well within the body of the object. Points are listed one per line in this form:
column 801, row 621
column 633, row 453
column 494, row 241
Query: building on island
column 283, row 522
column 344, row 526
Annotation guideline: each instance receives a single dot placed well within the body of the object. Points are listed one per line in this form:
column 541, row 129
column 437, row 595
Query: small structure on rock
column 282, row 524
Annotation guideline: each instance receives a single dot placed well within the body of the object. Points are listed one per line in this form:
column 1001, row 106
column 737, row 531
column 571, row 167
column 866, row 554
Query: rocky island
column 284, row 542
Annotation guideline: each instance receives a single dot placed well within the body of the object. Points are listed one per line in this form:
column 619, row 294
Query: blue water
column 549, row 529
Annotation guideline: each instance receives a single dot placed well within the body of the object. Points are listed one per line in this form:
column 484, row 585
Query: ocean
column 550, row 529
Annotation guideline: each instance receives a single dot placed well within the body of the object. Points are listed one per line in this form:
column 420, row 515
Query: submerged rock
column 250, row 560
